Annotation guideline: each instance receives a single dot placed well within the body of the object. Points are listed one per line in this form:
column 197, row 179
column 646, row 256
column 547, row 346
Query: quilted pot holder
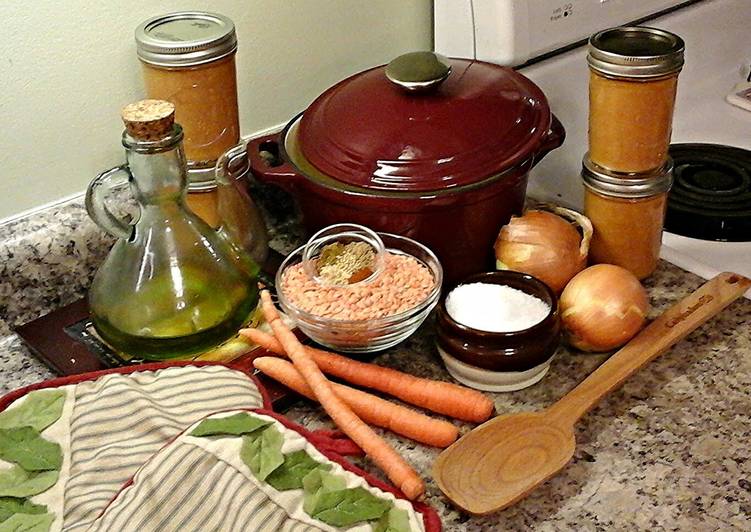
column 181, row 446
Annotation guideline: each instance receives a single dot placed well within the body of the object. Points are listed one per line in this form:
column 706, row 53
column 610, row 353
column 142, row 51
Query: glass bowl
column 371, row 335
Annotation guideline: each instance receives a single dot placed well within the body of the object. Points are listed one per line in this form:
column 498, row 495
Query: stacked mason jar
column 188, row 58
column 627, row 172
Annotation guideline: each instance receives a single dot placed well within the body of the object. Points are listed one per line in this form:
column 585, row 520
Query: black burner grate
column 711, row 194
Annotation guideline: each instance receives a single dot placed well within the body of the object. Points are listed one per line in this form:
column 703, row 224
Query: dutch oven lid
column 424, row 122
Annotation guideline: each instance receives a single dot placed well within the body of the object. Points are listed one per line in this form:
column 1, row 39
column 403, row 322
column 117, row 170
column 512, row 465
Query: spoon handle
column 669, row 328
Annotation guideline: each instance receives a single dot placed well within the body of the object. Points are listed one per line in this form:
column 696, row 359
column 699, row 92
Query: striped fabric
column 170, row 494
column 119, row 421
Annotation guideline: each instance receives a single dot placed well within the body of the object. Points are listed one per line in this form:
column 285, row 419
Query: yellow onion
column 602, row 308
column 545, row 245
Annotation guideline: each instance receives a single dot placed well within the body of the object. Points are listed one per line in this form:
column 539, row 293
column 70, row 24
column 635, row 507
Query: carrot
column 438, row 396
column 368, row 407
column 390, row 462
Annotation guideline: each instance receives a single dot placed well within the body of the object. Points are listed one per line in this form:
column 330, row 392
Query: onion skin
column 541, row 244
column 602, row 308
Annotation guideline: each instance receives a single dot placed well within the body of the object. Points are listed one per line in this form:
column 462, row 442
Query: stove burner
column 711, row 194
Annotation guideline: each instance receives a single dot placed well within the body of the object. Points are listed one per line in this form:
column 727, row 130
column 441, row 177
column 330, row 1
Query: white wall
column 66, row 68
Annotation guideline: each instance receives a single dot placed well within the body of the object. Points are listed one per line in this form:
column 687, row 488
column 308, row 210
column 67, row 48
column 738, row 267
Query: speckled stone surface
column 670, row 450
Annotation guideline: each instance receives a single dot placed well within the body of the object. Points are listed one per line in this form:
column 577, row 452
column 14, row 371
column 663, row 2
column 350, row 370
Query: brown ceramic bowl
column 478, row 358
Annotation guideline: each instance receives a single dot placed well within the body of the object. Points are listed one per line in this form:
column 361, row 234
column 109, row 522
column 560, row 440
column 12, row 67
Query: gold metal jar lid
column 185, row 39
column 631, row 186
column 198, row 187
column 636, row 52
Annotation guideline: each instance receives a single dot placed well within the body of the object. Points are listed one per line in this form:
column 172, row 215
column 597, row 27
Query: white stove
column 718, row 55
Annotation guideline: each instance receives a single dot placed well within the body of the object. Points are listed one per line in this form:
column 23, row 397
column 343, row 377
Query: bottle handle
column 97, row 208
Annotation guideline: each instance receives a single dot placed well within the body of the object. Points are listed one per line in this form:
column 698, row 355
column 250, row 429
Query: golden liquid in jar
column 627, row 231
column 205, row 99
column 630, row 122
column 204, row 204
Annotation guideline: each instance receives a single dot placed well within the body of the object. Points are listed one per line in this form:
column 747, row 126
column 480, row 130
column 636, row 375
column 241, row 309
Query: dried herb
column 341, row 264
column 329, row 254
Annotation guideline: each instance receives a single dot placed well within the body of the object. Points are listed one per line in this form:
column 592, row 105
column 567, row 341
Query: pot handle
column 554, row 138
column 267, row 163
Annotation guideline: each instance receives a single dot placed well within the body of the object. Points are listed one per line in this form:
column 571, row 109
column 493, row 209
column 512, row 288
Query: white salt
column 494, row 307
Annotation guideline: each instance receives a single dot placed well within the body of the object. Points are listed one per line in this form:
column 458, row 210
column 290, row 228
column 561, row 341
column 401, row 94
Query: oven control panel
column 511, row 32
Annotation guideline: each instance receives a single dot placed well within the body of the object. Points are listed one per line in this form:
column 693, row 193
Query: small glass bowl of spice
column 357, row 291
column 498, row 331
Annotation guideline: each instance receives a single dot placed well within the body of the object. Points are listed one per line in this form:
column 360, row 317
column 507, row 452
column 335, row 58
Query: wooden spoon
column 504, row 459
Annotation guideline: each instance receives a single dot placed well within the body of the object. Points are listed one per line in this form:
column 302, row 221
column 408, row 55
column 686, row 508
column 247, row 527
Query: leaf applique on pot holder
column 68, row 445
column 254, row 470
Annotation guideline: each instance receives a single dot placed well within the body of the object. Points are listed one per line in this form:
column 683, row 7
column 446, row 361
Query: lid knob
column 148, row 119
column 418, row 71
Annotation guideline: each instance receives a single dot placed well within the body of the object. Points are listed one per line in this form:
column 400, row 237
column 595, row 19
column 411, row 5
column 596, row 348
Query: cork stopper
column 148, row 119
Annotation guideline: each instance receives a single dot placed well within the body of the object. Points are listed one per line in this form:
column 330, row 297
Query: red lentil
column 403, row 283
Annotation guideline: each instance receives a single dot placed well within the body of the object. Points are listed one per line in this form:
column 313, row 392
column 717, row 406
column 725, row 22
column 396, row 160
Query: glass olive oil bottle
column 171, row 285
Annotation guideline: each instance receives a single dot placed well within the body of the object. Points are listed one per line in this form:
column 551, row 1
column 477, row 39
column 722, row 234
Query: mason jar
column 632, row 87
column 627, row 215
column 188, row 58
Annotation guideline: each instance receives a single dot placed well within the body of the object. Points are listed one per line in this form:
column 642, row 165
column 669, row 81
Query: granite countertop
column 668, row 451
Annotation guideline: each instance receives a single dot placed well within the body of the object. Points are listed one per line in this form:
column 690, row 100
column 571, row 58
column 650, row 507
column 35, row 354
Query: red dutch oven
column 431, row 148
